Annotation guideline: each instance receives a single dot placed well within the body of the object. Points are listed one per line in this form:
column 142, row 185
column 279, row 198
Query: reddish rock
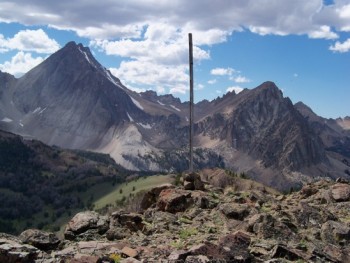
column 152, row 195
column 174, row 200
column 308, row 191
column 130, row 252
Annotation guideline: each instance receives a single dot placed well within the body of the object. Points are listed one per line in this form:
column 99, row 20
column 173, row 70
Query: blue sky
column 303, row 46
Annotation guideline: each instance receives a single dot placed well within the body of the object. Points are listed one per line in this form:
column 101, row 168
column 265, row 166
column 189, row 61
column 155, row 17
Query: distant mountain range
column 72, row 101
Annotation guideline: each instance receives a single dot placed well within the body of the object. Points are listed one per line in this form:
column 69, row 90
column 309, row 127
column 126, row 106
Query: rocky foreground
column 200, row 222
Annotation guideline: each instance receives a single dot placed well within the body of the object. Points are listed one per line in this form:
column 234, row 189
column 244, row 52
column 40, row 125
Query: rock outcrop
column 243, row 222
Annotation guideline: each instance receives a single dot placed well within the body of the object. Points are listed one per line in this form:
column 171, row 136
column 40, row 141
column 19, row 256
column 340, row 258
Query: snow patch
column 131, row 119
column 160, row 103
column 6, row 120
column 37, row 110
column 145, row 126
column 87, row 57
column 137, row 104
column 40, row 112
column 175, row 108
column 110, row 78
column 20, row 123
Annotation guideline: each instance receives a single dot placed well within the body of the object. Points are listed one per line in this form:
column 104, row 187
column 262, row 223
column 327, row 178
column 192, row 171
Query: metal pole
column 191, row 100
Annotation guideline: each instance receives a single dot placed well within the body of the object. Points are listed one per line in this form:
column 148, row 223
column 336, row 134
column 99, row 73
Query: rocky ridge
column 203, row 221
column 72, row 101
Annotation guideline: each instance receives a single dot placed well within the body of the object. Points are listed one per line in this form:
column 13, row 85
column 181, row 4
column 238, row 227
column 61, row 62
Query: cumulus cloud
column 151, row 35
column 150, row 75
column 323, row 32
column 29, row 40
column 222, row 71
column 236, row 89
column 211, row 21
column 341, row 47
column 20, row 63
column 212, row 81
column 240, row 79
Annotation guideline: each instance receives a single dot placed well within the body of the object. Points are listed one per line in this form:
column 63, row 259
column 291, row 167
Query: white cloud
column 151, row 75
column 152, row 35
column 29, row 40
column 211, row 21
column 20, row 64
column 240, row 79
column 341, row 47
column 236, row 89
column 222, row 71
column 212, row 81
column 199, row 87
column 323, row 32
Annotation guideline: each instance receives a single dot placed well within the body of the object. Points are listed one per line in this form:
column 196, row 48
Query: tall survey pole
column 191, row 100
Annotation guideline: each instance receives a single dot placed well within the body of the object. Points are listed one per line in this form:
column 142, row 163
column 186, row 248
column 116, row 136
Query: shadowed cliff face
column 72, row 101
column 266, row 126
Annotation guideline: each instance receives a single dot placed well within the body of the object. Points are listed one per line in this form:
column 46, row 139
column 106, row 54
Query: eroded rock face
column 40, row 239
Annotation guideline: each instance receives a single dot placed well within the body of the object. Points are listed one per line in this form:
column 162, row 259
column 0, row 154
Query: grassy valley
column 40, row 186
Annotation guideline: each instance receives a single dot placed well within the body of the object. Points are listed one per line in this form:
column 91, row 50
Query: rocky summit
column 201, row 221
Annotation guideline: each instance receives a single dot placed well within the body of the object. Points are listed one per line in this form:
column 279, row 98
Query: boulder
column 335, row 232
column 340, row 192
column 308, row 191
column 235, row 211
column 131, row 221
column 192, row 181
column 207, row 249
column 151, row 197
column 40, row 239
column 129, row 252
column 284, row 252
column 174, row 200
column 88, row 222
column 13, row 251
column 267, row 227
column 197, row 259
column 178, row 255
column 235, row 246
column 117, row 233
column 305, row 215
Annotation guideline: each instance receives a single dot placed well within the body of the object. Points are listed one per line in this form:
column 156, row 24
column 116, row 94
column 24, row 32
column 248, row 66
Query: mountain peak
column 268, row 85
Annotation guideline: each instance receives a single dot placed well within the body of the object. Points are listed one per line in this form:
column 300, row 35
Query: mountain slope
column 40, row 184
column 70, row 95
column 72, row 101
